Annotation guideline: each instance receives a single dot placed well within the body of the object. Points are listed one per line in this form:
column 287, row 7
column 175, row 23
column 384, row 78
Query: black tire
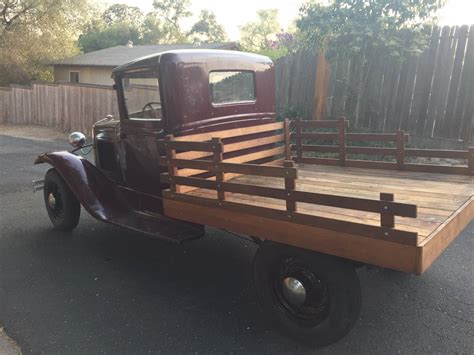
column 320, row 313
column 62, row 206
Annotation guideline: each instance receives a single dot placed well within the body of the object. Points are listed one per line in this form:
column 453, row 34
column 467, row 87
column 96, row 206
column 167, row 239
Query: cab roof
column 192, row 56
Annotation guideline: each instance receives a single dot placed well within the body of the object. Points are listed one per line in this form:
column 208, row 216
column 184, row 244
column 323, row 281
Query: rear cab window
column 230, row 87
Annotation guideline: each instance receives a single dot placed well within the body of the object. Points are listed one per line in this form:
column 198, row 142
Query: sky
column 232, row 14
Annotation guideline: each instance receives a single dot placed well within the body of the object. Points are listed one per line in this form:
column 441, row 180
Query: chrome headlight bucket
column 77, row 139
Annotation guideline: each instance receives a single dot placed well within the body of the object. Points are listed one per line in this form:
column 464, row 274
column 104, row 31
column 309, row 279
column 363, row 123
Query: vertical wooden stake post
column 299, row 145
column 218, row 157
column 341, row 127
column 287, row 139
column 387, row 219
column 172, row 170
column 290, row 185
column 470, row 162
column 400, row 144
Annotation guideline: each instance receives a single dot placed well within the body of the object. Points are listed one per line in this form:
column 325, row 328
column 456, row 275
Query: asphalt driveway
column 102, row 289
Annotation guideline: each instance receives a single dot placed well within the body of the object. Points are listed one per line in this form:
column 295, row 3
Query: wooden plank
column 379, row 137
column 218, row 157
column 371, row 151
column 372, row 251
column 323, row 124
column 257, row 155
column 184, row 145
column 287, row 139
column 290, row 187
column 368, row 205
column 233, row 147
column 236, row 132
column 452, row 124
column 437, row 153
column 440, row 169
column 387, row 217
column 432, row 247
column 388, row 234
column 245, row 169
column 321, row 136
column 465, row 104
column 423, row 82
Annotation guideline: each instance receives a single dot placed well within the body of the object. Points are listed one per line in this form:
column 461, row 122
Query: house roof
column 115, row 56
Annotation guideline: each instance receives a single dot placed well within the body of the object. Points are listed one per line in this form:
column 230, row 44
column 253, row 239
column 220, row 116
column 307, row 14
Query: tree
column 117, row 34
column 152, row 31
column 36, row 32
column 121, row 13
column 348, row 27
column 172, row 12
column 206, row 29
column 255, row 35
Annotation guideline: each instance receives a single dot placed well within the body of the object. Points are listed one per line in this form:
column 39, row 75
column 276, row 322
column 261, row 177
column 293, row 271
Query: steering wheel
column 148, row 109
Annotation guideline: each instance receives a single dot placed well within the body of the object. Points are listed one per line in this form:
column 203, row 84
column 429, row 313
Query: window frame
column 140, row 74
column 231, row 103
column 78, row 76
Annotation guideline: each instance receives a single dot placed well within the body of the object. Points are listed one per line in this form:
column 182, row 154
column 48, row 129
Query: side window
column 74, row 77
column 142, row 98
column 232, row 86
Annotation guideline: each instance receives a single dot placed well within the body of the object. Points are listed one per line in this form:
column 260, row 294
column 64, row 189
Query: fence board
column 430, row 96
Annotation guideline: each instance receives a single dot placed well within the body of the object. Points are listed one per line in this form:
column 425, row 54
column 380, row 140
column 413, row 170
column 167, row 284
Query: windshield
column 142, row 98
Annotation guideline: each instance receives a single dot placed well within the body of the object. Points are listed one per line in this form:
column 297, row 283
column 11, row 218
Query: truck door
column 140, row 126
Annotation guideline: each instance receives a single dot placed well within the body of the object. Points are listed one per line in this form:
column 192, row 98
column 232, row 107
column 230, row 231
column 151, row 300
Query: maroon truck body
column 127, row 173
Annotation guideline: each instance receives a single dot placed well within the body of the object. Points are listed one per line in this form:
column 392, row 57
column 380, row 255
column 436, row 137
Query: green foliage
column 172, row 12
column 115, row 35
column 121, row 13
column 255, row 35
column 207, row 29
column 36, row 32
column 393, row 29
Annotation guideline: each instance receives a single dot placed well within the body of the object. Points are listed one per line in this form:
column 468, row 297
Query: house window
column 74, row 77
column 232, row 86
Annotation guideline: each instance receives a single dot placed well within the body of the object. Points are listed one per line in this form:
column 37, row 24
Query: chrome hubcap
column 51, row 201
column 294, row 291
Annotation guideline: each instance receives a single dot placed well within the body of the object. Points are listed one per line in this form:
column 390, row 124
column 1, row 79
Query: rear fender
column 96, row 192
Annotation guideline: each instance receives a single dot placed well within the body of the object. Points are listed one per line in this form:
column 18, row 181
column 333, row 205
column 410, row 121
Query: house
column 96, row 67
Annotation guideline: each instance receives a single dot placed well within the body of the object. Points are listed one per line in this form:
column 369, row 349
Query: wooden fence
column 64, row 106
column 430, row 95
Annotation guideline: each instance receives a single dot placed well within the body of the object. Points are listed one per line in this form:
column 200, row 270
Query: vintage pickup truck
column 197, row 143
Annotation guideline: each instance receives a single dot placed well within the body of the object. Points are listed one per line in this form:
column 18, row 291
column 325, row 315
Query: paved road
column 105, row 290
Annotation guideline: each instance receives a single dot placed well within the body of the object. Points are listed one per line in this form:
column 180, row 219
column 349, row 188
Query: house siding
column 87, row 74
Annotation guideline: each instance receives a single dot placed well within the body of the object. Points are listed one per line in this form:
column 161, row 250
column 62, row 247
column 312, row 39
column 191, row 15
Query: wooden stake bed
column 401, row 220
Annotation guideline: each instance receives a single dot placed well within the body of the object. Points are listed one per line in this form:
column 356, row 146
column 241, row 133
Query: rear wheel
column 314, row 298
column 62, row 206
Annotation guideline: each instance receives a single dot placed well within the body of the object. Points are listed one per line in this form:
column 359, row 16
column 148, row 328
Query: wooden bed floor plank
column 446, row 202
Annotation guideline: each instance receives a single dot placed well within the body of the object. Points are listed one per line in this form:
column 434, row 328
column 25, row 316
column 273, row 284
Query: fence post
column 172, row 170
column 470, row 162
column 218, row 157
column 287, row 139
column 342, row 140
column 290, row 185
column 299, row 145
column 387, row 219
column 400, row 145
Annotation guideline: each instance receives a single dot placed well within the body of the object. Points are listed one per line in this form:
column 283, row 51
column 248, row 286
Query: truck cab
column 178, row 92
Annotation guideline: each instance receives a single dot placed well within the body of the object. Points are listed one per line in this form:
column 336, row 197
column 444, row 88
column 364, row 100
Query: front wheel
column 62, row 206
column 312, row 297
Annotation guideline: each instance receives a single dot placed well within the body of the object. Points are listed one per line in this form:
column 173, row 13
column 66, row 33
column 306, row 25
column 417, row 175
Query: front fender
column 96, row 192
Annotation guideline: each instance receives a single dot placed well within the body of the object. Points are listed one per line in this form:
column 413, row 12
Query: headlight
column 77, row 139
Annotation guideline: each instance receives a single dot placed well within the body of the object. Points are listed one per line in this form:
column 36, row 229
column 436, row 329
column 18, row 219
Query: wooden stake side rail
column 342, row 147
column 385, row 206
